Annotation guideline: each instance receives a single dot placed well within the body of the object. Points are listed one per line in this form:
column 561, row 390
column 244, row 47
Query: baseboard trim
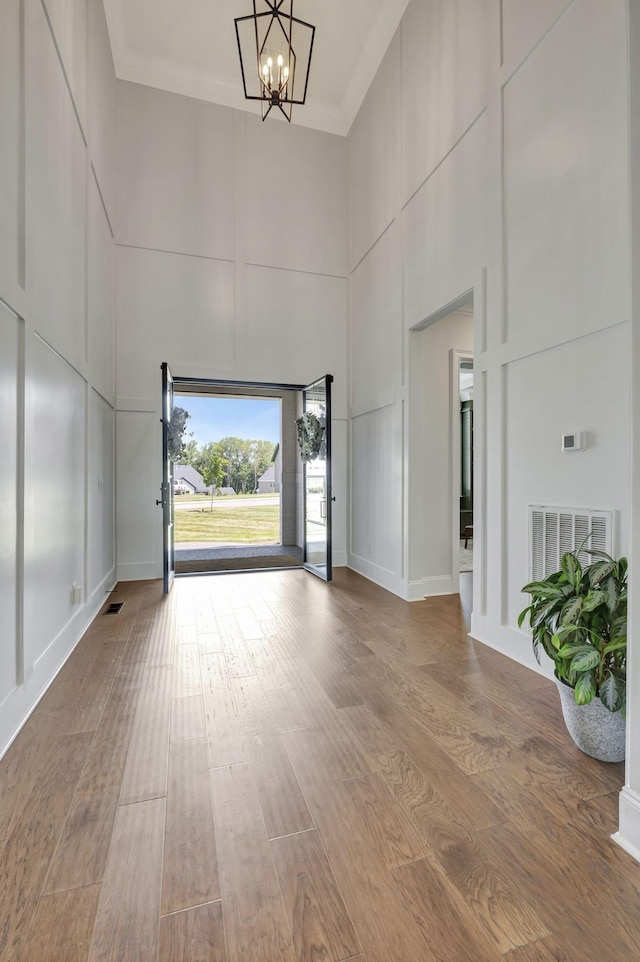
column 408, row 591
column 628, row 834
column 380, row 576
column 430, row 587
column 105, row 588
column 18, row 705
column 623, row 843
column 138, row 571
column 508, row 641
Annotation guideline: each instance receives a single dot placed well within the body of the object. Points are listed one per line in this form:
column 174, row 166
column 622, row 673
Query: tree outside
column 243, row 461
column 213, row 471
column 176, row 433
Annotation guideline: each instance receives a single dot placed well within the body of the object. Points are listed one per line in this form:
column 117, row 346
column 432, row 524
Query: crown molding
column 204, row 85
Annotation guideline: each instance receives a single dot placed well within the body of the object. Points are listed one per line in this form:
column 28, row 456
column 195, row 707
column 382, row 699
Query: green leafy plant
column 578, row 616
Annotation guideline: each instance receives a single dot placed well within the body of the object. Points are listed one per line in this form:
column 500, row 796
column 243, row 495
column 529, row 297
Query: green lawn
column 224, row 497
column 255, row 524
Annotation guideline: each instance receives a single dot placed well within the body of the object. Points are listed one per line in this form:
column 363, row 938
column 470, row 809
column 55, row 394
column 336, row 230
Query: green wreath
column 310, row 436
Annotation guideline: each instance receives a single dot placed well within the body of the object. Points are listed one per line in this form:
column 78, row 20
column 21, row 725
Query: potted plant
column 578, row 617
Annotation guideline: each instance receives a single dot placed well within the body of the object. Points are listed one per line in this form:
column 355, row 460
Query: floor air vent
column 552, row 531
column 115, row 608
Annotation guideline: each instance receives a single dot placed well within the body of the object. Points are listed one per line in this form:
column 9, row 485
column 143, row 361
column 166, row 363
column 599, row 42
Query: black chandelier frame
column 280, row 97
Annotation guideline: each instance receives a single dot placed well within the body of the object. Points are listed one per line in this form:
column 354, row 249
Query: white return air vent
column 552, row 531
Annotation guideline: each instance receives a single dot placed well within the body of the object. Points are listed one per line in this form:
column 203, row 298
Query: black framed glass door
column 318, row 496
column 166, row 499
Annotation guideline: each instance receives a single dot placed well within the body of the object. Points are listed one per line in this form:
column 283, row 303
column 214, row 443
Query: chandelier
column 275, row 55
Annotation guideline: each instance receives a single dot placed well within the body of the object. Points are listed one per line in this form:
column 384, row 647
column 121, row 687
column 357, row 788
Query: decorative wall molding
column 385, row 399
column 19, row 704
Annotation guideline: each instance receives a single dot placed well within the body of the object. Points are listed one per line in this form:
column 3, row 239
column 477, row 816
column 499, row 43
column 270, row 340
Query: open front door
column 166, row 499
column 317, row 477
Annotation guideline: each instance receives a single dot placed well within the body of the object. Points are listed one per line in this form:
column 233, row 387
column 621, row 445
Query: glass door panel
column 166, row 499
column 317, row 477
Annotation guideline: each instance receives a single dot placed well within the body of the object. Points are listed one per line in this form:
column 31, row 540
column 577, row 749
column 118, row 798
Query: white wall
column 9, row 397
column 589, row 473
column 507, row 177
column 449, row 50
column 101, row 490
column 629, row 833
column 376, row 517
column 57, row 338
column 54, row 495
column 231, row 263
column 11, row 152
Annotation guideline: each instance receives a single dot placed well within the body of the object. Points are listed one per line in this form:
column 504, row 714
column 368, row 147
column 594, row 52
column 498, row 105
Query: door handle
column 160, row 502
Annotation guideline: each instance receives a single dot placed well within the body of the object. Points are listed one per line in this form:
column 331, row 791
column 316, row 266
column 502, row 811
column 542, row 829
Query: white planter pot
column 595, row 730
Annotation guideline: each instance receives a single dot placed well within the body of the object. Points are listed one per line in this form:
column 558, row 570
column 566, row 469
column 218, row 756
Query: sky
column 213, row 418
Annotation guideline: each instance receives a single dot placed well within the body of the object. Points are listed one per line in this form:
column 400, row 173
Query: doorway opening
column 441, row 462
column 246, row 476
column 227, row 484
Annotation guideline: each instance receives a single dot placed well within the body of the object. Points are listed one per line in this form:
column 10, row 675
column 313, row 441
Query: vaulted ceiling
column 190, row 48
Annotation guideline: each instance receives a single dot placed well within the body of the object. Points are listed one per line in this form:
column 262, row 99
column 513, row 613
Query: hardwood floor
column 263, row 768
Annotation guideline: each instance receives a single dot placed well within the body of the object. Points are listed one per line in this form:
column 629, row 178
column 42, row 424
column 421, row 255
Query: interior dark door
column 166, row 500
column 318, row 497
column 466, row 466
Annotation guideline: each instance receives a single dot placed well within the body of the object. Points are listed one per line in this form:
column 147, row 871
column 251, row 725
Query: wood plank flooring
column 264, row 768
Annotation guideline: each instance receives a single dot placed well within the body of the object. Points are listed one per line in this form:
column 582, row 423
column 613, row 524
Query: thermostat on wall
column 573, row 442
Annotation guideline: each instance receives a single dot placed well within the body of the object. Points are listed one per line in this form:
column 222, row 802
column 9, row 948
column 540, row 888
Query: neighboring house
column 185, row 475
column 223, row 492
column 270, row 481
